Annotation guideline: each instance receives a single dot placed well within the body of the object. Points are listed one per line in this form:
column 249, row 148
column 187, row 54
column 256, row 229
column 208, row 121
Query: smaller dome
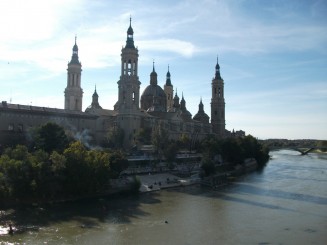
column 201, row 115
column 153, row 73
column 187, row 113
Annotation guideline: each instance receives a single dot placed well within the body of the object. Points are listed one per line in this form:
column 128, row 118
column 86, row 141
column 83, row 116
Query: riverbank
column 149, row 182
column 156, row 182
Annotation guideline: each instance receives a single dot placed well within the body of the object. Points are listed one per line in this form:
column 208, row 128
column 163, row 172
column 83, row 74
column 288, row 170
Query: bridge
column 304, row 150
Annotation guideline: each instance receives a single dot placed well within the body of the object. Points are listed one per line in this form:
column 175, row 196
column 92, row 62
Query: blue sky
column 272, row 54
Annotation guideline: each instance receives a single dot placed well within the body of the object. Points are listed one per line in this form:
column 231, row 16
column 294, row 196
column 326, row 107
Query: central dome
column 150, row 93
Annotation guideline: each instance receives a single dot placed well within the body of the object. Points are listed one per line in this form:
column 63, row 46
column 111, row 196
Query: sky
column 272, row 56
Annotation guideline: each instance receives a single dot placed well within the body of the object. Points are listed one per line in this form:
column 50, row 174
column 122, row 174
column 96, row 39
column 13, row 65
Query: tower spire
column 217, row 74
column 153, row 76
column 74, row 59
column 168, row 81
column 130, row 33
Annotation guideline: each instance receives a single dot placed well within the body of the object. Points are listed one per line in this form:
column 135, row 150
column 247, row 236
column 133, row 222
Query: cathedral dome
column 153, row 91
column 186, row 115
column 201, row 116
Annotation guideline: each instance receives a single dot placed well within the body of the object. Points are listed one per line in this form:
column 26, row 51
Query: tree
column 144, row 136
column 232, row 151
column 135, row 184
column 211, row 146
column 170, row 153
column 184, row 142
column 159, row 139
column 208, row 166
column 16, row 166
column 77, row 175
column 115, row 137
column 323, row 145
column 118, row 163
column 50, row 137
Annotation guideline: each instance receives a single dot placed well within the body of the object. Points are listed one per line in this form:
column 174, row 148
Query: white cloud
column 33, row 20
column 183, row 48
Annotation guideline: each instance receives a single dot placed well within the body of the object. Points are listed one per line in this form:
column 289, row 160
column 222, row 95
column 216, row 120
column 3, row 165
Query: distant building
column 131, row 113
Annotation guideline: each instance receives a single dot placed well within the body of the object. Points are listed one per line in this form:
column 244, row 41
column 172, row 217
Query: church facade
column 133, row 111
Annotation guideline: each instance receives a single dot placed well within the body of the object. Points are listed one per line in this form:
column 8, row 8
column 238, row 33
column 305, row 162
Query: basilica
column 133, row 111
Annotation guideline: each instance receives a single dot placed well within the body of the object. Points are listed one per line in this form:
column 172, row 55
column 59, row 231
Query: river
column 284, row 204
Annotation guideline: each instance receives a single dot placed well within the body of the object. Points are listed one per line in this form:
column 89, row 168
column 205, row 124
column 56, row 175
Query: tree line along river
column 286, row 203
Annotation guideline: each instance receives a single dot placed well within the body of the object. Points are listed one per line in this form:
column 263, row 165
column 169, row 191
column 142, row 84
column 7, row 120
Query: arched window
column 129, row 67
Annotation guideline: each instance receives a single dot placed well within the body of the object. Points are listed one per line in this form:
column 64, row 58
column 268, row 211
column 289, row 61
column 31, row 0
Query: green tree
column 159, row 139
column 41, row 171
column 115, row 137
column 118, row 163
column 135, row 184
column 16, row 166
column 77, row 174
column 58, row 166
column 144, row 136
column 184, row 142
column 170, row 152
column 208, row 166
column 323, row 145
column 210, row 147
column 232, row 151
column 50, row 137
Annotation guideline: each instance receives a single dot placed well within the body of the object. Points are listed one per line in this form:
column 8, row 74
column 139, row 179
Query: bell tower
column 169, row 91
column 73, row 91
column 218, row 104
column 128, row 84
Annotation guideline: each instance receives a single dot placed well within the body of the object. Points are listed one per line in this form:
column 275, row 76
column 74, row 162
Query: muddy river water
column 284, row 204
